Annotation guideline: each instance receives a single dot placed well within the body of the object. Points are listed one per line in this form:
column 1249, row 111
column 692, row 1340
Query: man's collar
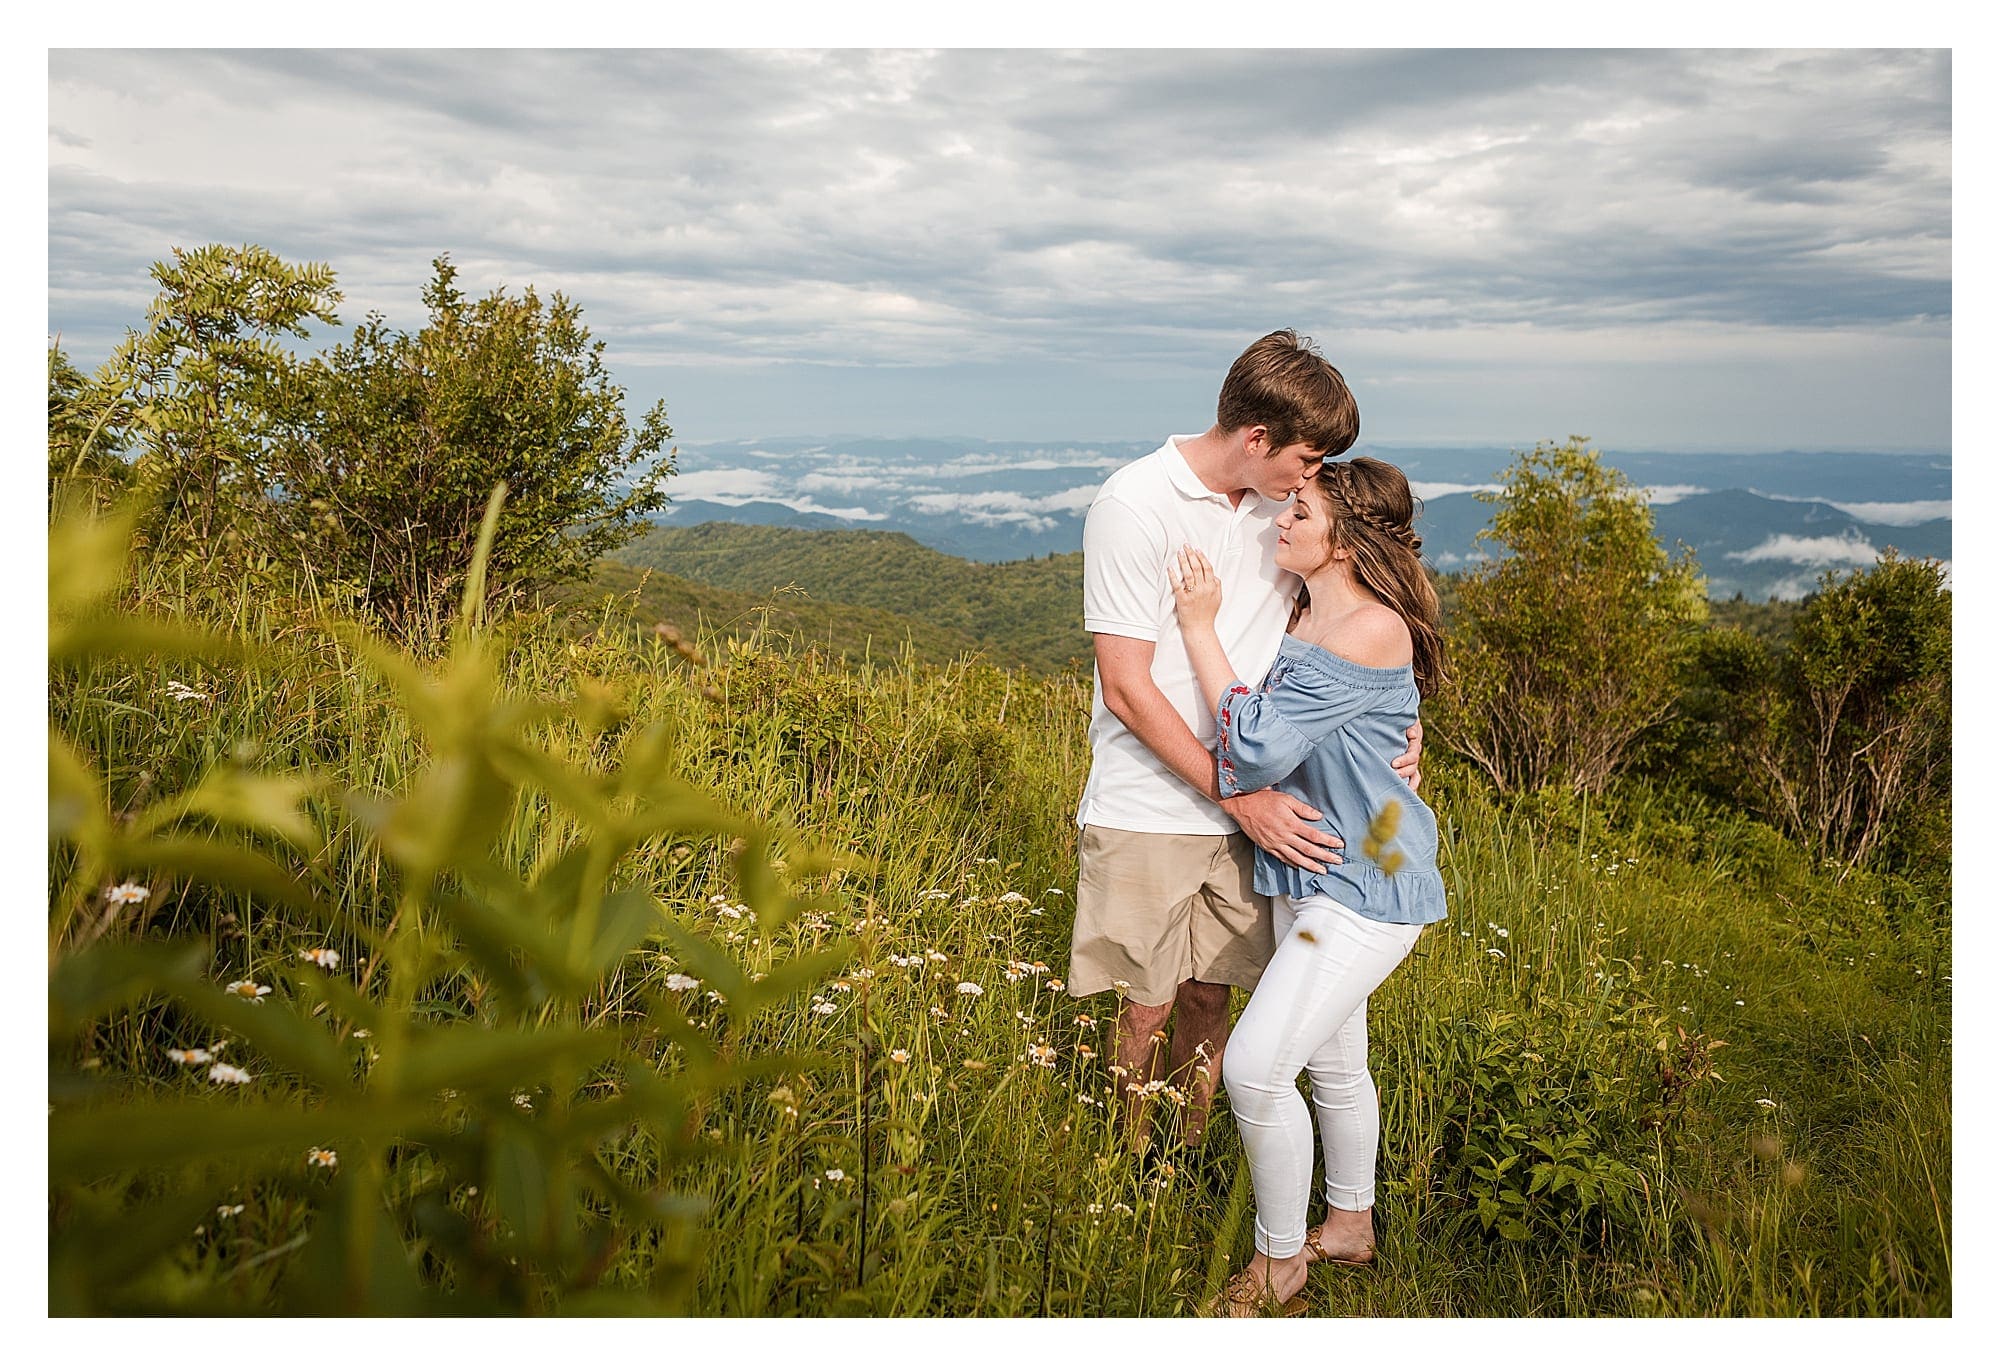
column 1182, row 475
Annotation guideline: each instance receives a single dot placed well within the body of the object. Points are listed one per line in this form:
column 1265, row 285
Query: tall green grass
column 1652, row 1063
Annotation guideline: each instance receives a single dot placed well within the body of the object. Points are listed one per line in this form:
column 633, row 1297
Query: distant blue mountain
column 1760, row 524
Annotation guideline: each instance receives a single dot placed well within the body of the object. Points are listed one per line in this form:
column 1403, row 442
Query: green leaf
column 451, row 814
column 76, row 802
column 86, row 985
column 794, row 975
column 476, row 1058
column 234, row 796
column 472, row 610
column 180, row 1132
column 524, row 960
column 762, row 890
column 332, row 1275
column 515, row 1176
column 281, row 1035
column 105, row 1245
column 126, row 637
column 87, row 558
column 216, row 864
column 625, row 917
column 711, row 964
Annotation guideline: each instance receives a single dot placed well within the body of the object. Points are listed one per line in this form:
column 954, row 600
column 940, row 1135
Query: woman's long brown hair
column 1371, row 511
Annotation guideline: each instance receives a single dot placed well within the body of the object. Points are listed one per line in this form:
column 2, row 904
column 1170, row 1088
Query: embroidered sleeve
column 1262, row 736
column 1225, row 764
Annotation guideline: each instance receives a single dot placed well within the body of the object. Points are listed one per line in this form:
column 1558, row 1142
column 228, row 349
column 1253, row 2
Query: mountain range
column 1763, row 525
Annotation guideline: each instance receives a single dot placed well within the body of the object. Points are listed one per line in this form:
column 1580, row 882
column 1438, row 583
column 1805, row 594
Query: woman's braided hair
column 1372, row 511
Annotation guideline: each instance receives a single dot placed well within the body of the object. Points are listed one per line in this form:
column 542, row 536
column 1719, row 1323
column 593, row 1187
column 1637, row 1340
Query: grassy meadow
column 1653, row 1063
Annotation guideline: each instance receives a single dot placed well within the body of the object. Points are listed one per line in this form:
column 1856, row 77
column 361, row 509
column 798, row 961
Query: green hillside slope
column 1023, row 611
column 787, row 621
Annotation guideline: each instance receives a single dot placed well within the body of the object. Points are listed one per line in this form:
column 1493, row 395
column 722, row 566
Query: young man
column 1165, row 912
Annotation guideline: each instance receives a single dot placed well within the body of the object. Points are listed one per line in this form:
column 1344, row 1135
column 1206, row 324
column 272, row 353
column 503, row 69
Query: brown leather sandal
column 1316, row 1252
column 1249, row 1297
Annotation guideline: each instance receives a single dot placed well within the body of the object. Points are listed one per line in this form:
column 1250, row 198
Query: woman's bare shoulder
column 1373, row 636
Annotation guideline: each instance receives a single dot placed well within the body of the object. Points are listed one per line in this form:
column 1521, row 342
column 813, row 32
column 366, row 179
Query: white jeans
column 1310, row 1012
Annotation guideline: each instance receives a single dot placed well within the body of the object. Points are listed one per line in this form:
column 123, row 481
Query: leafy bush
column 191, row 399
column 460, row 1112
column 1543, row 1112
column 1848, row 737
column 1569, row 647
column 378, row 474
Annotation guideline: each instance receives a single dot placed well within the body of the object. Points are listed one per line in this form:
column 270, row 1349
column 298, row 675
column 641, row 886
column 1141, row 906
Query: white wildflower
column 680, row 981
column 223, row 1072
column 127, row 894
column 249, row 991
column 190, row 1056
column 971, row 989
column 322, row 958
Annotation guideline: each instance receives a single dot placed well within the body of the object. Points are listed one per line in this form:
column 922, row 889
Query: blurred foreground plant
column 430, row 1158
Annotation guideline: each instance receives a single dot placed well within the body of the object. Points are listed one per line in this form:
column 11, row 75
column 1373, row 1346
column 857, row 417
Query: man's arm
column 1273, row 820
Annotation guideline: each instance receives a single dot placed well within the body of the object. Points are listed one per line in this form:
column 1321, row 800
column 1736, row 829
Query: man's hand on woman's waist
column 1283, row 825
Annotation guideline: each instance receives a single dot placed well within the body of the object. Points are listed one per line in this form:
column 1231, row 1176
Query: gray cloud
column 1064, row 212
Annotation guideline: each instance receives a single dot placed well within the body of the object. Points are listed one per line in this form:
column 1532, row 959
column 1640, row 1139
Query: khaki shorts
column 1154, row 911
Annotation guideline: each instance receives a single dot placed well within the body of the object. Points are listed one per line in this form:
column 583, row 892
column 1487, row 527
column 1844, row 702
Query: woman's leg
column 1327, row 961
column 1343, row 1091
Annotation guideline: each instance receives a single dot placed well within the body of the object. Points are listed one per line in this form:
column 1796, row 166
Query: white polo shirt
column 1133, row 535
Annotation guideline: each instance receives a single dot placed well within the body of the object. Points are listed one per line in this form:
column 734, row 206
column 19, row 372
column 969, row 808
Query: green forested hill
column 862, row 590
column 1022, row 612
column 789, row 619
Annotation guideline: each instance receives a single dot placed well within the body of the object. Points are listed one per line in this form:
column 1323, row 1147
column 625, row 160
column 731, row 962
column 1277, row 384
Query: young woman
column 1323, row 726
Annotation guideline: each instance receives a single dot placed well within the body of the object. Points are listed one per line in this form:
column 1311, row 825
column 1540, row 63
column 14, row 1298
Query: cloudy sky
column 1678, row 250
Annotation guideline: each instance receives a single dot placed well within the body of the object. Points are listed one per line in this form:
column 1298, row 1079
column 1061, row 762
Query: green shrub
column 477, row 1101
column 1568, row 648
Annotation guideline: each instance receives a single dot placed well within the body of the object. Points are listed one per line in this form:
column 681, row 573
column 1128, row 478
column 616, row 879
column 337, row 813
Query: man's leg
column 1138, row 1058
column 1230, row 934
column 1201, row 1027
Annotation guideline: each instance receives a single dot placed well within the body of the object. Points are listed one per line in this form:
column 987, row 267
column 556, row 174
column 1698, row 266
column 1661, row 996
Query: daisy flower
column 899, row 1055
column 322, row 1157
column 190, row 1056
column 249, row 991
column 323, row 958
column 127, row 894
column 223, row 1072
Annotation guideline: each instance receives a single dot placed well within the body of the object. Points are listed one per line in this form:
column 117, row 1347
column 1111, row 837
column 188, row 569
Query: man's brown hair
column 1284, row 385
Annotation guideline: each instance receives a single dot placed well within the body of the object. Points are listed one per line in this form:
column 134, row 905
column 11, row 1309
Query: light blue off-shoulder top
column 1324, row 729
